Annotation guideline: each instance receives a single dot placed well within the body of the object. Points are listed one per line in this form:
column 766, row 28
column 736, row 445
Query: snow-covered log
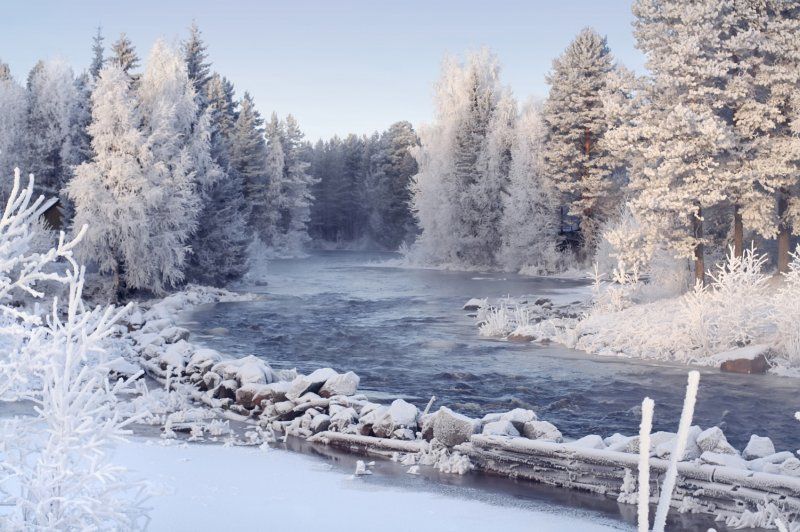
column 713, row 489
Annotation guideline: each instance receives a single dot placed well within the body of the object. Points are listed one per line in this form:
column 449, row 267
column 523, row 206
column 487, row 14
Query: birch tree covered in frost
column 181, row 163
column 13, row 111
column 463, row 161
column 531, row 207
column 112, row 193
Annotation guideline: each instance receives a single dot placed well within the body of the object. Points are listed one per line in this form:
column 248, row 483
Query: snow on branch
column 21, row 268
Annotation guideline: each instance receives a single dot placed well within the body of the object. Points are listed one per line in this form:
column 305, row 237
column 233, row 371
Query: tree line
column 181, row 181
column 703, row 150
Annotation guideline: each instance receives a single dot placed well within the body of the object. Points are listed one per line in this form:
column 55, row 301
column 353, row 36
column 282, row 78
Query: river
column 403, row 332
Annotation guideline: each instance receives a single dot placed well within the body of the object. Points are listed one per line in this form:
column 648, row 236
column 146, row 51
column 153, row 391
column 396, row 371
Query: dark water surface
column 404, row 333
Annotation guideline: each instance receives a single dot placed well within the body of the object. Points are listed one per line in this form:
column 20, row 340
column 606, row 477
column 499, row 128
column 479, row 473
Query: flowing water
column 404, row 333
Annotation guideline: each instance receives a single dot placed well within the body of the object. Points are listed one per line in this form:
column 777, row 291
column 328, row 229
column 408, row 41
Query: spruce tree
column 249, row 161
column 576, row 157
column 98, row 51
column 125, row 56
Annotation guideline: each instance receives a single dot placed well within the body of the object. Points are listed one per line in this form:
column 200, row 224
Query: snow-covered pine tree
column 456, row 194
column 276, row 167
column 531, row 212
column 249, row 160
column 576, row 156
column 390, row 221
column 196, row 56
column 765, row 47
column 98, row 54
column 219, row 246
column 679, row 142
column 220, row 242
column 13, row 114
column 112, row 193
column 125, row 56
column 297, row 197
column 52, row 98
column 181, row 163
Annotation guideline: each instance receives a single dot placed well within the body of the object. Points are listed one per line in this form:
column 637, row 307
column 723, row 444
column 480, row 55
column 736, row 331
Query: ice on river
column 211, row 487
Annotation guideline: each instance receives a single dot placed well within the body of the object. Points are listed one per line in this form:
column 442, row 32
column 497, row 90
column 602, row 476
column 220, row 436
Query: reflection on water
column 403, row 332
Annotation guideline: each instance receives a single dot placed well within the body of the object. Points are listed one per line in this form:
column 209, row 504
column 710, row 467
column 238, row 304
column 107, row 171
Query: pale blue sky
column 338, row 66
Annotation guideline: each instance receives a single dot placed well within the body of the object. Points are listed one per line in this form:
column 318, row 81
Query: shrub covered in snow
column 54, row 470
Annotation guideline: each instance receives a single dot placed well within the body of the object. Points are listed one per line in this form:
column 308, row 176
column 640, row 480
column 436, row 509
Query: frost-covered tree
column 52, row 98
column 275, row 165
column 98, row 53
column 196, row 56
column 112, row 193
column 220, row 244
column 248, row 158
column 298, row 189
column 765, row 94
column 576, row 156
column 220, row 241
column 13, row 114
column 462, row 167
column 678, row 143
column 125, row 56
column 181, row 163
column 531, row 212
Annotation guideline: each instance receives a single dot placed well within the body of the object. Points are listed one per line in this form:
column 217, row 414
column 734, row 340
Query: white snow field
column 210, row 487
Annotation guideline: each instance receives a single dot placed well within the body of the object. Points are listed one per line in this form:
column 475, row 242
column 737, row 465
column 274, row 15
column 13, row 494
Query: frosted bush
column 504, row 318
column 54, row 469
column 733, row 309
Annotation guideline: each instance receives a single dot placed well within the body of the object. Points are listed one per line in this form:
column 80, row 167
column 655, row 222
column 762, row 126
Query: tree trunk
column 783, row 232
column 699, row 260
column 738, row 232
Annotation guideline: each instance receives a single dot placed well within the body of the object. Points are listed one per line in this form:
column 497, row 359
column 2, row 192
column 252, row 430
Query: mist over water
column 404, row 333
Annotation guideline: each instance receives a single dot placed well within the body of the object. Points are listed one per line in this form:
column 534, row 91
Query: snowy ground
column 211, row 487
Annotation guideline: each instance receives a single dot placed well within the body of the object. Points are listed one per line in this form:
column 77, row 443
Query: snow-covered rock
column 176, row 355
column 791, row 467
column 749, row 359
column 592, row 441
column 121, row 367
column 713, row 440
column 692, row 452
column 312, row 382
column 400, row 415
column 342, row 417
column 320, row 423
column 202, row 360
column 502, row 427
column 274, row 392
column 245, row 370
column 723, row 459
column 474, row 304
column 451, row 428
column 758, row 447
column 518, row 417
column 541, row 430
column 174, row 334
column 340, row 384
